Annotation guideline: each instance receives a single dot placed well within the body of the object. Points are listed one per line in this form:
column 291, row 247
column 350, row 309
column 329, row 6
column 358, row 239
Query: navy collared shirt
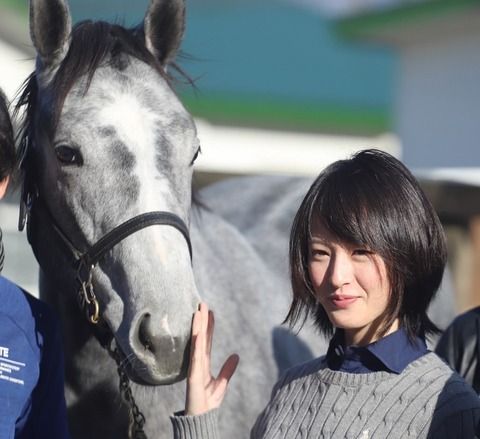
column 392, row 353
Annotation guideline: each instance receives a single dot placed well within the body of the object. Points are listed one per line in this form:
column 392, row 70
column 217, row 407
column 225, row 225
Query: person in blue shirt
column 32, row 401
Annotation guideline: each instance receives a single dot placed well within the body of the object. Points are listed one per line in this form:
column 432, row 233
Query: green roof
column 19, row 6
column 273, row 64
column 371, row 22
column 286, row 115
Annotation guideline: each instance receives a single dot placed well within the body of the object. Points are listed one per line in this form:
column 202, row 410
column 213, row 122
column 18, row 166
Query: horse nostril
column 144, row 333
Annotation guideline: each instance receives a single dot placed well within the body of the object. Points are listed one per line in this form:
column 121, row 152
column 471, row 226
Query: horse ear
column 50, row 27
column 164, row 25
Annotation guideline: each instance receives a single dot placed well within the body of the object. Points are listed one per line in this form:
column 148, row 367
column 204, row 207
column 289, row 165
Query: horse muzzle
column 154, row 355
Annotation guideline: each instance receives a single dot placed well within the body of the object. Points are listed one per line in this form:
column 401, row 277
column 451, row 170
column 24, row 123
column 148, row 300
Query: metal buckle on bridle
column 86, row 294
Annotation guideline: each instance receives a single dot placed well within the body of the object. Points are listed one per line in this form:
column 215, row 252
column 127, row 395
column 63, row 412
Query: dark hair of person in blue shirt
column 7, row 148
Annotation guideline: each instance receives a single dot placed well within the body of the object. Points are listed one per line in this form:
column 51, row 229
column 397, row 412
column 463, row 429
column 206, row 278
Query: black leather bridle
column 85, row 262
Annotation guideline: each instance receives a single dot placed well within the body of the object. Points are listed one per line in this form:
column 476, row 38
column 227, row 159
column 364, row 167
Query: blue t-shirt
column 32, row 401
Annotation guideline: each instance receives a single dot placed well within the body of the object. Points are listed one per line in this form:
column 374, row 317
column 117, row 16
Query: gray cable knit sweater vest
column 311, row 401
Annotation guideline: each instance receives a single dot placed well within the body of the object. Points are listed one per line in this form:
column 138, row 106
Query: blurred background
column 288, row 86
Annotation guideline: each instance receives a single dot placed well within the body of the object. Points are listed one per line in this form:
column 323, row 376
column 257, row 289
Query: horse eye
column 199, row 150
column 68, row 156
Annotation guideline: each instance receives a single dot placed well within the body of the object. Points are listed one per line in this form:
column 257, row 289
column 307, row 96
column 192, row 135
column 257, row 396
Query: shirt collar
column 392, row 353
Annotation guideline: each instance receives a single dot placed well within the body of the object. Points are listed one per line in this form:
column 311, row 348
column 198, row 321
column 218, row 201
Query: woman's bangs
column 341, row 209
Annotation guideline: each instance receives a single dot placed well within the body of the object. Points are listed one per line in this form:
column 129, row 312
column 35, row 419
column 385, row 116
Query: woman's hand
column 205, row 392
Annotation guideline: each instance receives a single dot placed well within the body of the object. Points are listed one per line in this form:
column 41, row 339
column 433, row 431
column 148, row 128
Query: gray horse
column 109, row 153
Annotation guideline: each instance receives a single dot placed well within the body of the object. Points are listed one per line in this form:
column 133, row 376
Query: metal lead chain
column 137, row 418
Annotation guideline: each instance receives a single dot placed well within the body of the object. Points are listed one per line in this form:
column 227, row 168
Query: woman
column 32, row 402
column 367, row 254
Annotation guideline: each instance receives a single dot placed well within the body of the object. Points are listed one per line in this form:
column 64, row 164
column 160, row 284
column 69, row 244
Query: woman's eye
column 199, row 150
column 68, row 155
column 318, row 253
column 361, row 252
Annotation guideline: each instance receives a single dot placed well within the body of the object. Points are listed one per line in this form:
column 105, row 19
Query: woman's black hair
column 373, row 200
column 7, row 143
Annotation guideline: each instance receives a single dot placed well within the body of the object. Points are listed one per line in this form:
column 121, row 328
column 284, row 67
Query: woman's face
column 351, row 284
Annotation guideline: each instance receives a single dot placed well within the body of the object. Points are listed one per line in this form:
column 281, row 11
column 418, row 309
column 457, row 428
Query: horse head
column 107, row 140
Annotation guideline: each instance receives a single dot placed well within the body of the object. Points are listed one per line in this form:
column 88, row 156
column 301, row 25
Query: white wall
column 237, row 150
column 438, row 102
column 15, row 66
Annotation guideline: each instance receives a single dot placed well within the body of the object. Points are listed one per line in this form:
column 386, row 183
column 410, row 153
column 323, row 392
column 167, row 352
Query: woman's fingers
column 228, row 369
column 194, row 367
column 203, row 309
column 204, row 392
column 223, row 378
column 198, row 351
column 196, row 323
column 197, row 397
column 210, row 330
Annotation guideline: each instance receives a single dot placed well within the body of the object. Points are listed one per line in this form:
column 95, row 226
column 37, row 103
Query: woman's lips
column 343, row 301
